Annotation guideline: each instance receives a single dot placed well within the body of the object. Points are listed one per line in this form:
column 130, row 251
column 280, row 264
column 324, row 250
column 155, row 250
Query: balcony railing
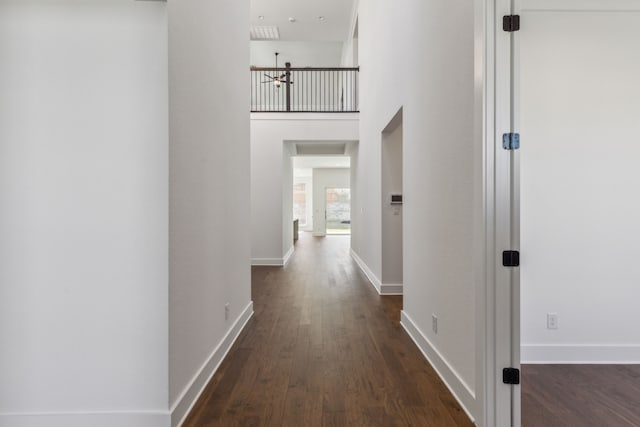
column 329, row 90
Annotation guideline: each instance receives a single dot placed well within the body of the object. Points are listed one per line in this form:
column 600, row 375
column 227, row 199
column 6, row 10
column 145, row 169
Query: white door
column 576, row 103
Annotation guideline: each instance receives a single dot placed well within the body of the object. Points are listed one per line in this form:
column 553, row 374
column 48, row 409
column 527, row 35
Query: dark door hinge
column 511, row 141
column 511, row 376
column 511, row 258
column 511, row 23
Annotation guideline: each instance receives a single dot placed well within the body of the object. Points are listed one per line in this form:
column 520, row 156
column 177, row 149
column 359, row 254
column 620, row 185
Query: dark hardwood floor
column 323, row 348
column 580, row 395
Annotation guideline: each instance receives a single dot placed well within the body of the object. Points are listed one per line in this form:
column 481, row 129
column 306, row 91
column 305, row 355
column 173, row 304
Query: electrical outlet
column 434, row 323
column 227, row 309
column 552, row 320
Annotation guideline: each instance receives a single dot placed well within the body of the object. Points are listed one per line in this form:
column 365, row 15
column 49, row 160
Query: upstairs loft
column 306, row 89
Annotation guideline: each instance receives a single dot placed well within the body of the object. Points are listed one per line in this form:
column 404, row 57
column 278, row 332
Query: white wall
column 353, row 151
column 209, row 190
column 300, row 54
column 305, row 176
column 349, row 54
column 269, row 131
column 287, row 200
column 324, row 178
column 391, row 147
column 579, row 186
column 83, row 190
column 434, row 43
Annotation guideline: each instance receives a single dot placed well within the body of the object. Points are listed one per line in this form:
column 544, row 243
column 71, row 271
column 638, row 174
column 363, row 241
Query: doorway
column 332, row 201
column 391, row 209
column 337, row 211
column 322, row 194
column 577, row 103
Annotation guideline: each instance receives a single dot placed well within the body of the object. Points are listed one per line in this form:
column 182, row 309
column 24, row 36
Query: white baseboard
column 83, row 419
column 267, row 262
column 273, row 262
column 287, row 256
column 458, row 387
column 173, row 418
column 375, row 282
column 391, row 289
column 183, row 405
column 580, row 354
column 381, row 288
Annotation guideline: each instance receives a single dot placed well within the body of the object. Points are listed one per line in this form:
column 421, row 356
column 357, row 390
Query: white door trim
column 500, row 401
column 484, row 109
column 515, row 217
column 524, row 7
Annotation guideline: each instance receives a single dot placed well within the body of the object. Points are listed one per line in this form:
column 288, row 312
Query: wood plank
column 324, row 349
column 584, row 395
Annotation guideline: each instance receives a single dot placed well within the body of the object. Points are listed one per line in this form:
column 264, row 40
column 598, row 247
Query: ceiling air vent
column 265, row 33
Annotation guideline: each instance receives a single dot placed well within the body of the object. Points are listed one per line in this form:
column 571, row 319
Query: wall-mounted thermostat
column 396, row 199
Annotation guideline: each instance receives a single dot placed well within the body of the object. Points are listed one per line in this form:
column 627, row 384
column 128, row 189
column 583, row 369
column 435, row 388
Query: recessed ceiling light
column 292, row 19
column 261, row 17
column 320, row 18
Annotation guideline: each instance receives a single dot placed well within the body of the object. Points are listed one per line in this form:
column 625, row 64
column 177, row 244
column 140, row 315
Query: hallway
column 323, row 348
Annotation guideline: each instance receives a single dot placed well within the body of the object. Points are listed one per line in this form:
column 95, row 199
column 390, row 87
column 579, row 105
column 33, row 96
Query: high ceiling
column 307, row 26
